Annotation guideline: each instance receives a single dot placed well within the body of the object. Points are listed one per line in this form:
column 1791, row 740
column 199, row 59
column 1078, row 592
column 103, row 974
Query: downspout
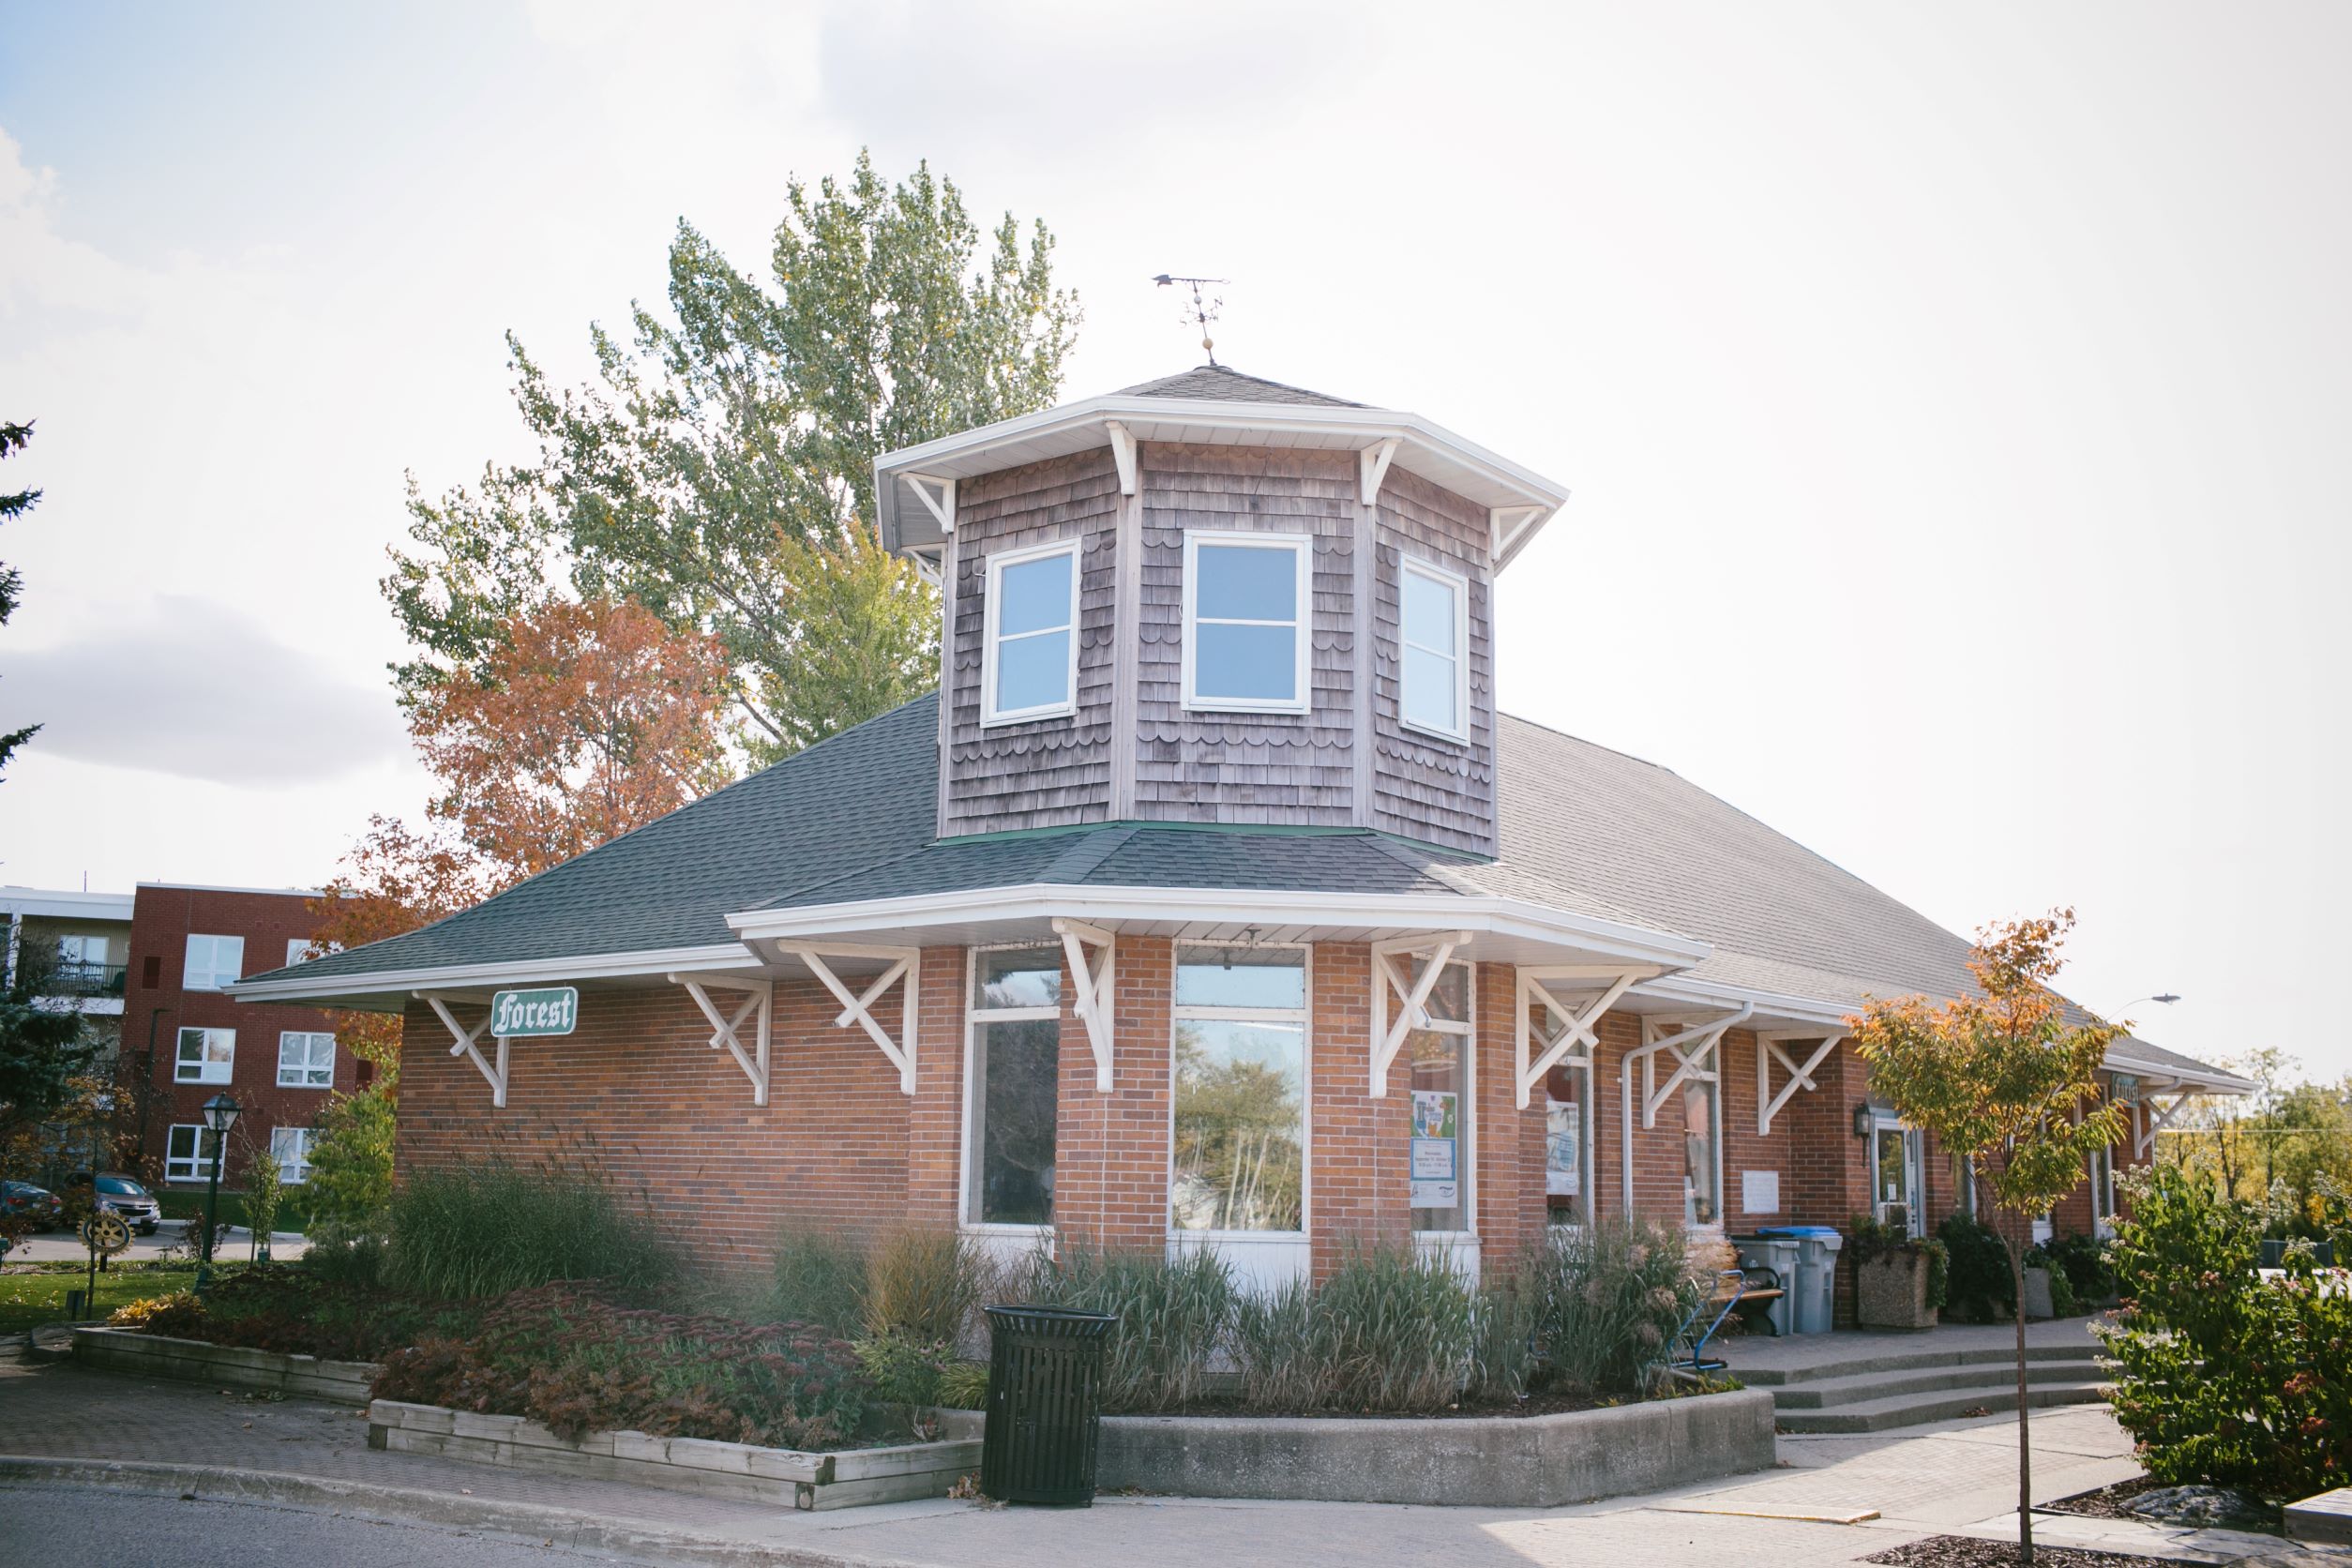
column 1625, row 1091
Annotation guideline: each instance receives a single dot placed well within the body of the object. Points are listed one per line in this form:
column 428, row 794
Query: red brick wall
column 1511, row 1199
column 162, row 920
column 935, row 1114
column 1111, row 1154
column 1358, row 1181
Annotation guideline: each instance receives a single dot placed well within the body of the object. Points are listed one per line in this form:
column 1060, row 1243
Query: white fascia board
column 1502, row 917
column 47, row 904
column 603, row 966
column 1772, row 1007
column 2205, row 1081
column 971, row 453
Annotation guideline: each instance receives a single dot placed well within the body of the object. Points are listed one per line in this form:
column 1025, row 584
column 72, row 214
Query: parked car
column 125, row 1196
column 46, row 1208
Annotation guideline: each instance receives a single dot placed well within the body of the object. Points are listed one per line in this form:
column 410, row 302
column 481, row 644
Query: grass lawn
column 30, row 1296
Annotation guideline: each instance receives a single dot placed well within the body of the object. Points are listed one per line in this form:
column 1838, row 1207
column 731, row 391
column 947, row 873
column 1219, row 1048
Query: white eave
column 1772, row 1009
column 910, row 526
column 2175, row 1075
column 394, row 986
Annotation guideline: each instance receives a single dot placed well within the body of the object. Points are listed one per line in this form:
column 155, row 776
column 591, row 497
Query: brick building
column 187, row 1039
column 1210, row 903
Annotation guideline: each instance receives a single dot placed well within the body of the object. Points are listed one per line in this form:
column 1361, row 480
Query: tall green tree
column 2008, row 1079
column 741, row 424
column 14, row 505
column 46, row 1055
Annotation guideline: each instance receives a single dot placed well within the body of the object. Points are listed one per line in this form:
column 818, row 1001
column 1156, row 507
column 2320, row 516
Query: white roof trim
column 603, row 966
column 1424, row 447
column 1770, row 1007
column 2206, row 1080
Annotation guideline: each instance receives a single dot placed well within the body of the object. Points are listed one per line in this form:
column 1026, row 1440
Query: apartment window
column 1433, row 616
column 187, row 1151
column 1013, row 1080
column 291, row 1148
column 1245, row 597
column 1440, row 1057
column 306, row 1060
column 1028, row 666
column 213, row 962
column 1241, row 1090
column 205, row 1056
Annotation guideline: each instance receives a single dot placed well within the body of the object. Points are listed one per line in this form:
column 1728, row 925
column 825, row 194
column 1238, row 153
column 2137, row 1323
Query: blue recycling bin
column 1818, row 1246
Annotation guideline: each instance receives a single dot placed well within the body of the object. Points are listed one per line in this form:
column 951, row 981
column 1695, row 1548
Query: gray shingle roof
column 1217, row 384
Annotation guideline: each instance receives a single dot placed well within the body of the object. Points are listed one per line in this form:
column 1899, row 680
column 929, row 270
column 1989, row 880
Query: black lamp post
column 220, row 1114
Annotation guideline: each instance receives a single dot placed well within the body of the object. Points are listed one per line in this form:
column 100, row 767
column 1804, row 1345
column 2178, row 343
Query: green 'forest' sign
column 520, row 1015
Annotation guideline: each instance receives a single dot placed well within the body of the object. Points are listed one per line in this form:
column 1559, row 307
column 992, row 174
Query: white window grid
column 189, row 1149
column 1456, row 657
column 291, row 1148
column 997, row 561
column 213, row 961
column 306, row 1059
column 1299, row 1016
column 1299, row 623
column 976, row 1017
column 205, row 1056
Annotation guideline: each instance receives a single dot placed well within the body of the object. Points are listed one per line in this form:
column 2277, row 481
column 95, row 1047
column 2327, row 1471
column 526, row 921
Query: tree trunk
column 2025, row 1445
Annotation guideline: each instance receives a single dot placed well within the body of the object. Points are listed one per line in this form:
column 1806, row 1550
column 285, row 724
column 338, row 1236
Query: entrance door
column 1897, row 1172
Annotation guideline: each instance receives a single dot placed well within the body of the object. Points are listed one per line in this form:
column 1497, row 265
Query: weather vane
column 1202, row 312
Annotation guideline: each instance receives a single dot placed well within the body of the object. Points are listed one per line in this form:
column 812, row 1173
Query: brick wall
column 1111, row 1159
column 1358, row 1174
column 1510, row 1141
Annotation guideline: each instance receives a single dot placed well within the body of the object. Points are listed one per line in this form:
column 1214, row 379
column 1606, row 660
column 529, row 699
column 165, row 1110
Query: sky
column 1951, row 398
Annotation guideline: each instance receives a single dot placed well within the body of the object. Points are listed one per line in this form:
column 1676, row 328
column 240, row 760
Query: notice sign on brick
column 525, row 1015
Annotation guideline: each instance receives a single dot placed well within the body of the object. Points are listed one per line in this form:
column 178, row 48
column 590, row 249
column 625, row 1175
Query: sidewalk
column 1955, row 1478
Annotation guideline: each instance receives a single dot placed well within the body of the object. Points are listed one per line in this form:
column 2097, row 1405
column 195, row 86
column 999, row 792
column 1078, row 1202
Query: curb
column 528, row 1522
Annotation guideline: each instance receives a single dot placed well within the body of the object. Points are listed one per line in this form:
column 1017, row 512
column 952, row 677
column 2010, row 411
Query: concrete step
column 1821, row 1392
column 1914, row 1409
column 1896, row 1360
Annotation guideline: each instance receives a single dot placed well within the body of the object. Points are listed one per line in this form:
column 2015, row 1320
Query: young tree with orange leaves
column 2010, row 1083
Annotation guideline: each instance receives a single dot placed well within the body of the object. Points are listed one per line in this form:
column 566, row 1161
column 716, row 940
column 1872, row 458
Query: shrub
column 1979, row 1284
column 2083, row 1261
column 265, row 1191
column 1870, row 1239
column 1387, row 1330
column 1174, row 1316
column 177, row 1316
column 294, row 1309
column 1610, row 1297
column 963, row 1385
column 819, row 1279
column 923, row 1283
column 2223, row 1377
column 903, row 1371
column 350, row 1188
column 494, row 1227
column 577, row 1361
column 1507, row 1308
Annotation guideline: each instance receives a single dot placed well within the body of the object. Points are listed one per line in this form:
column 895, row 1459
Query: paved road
column 235, row 1245
column 105, row 1529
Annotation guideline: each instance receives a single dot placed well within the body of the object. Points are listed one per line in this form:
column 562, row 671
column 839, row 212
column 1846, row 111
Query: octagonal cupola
column 1216, row 599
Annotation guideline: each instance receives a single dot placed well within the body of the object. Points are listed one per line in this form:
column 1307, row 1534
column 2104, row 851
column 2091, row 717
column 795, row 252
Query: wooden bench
column 1732, row 1290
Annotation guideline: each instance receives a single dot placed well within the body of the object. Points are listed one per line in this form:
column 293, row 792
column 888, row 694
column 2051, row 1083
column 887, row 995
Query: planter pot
column 2038, row 1303
column 1890, row 1291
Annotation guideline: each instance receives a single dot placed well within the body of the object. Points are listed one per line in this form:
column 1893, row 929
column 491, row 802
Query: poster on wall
column 1437, row 1132
column 1563, row 1161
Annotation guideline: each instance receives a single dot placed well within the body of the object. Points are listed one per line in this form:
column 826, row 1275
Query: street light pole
column 220, row 1114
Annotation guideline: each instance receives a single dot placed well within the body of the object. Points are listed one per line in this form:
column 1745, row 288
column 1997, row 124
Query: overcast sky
column 1955, row 397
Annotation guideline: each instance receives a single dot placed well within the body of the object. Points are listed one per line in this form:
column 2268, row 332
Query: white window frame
column 207, row 1070
column 1914, row 1169
column 975, row 1018
column 1465, row 1239
column 1302, row 621
column 302, row 1070
column 990, row 715
column 1580, row 1068
column 1305, row 1018
column 304, row 1139
column 1459, row 585
column 191, row 1167
column 210, row 978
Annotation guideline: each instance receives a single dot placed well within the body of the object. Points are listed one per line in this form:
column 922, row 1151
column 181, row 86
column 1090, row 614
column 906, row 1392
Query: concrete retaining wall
column 787, row 1478
column 1535, row 1461
column 193, row 1361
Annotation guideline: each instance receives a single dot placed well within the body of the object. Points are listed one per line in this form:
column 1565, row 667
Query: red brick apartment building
column 189, row 1039
column 1210, row 904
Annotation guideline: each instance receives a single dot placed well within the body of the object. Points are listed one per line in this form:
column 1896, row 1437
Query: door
column 1897, row 1170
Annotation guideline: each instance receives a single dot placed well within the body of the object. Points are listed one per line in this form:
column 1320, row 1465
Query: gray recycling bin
column 1817, row 1247
column 1778, row 1253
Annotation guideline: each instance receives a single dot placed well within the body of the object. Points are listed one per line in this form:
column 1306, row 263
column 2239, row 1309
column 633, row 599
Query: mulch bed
column 2106, row 1502
column 1968, row 1551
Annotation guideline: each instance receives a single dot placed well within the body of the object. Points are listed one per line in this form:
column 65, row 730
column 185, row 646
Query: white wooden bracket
column 899, row 969
column 727, row 1031
column 1768, row 1043
column 1372, row 467
column 1578, row 1019
column 1693, row 1047
column 1092, row 979
column 2148, row 1121
column 1122, row 453
column 1508, row 525
column 937, row 497
column 465, row 1036
column 1412, row 990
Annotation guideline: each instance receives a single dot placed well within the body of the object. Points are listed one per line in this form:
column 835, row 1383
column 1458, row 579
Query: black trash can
column 1045, row 1404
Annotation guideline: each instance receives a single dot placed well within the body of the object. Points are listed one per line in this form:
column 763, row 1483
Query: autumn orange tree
column 2008, row 1080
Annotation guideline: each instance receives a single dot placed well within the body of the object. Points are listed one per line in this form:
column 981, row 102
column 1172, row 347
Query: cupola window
column 1434, row 630
column 1245, row 598
column 1030, row 655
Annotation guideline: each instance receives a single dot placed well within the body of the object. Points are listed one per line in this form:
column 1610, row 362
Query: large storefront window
column 1241, row 1090
column 1015, row 1085
column 1441, row 1057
